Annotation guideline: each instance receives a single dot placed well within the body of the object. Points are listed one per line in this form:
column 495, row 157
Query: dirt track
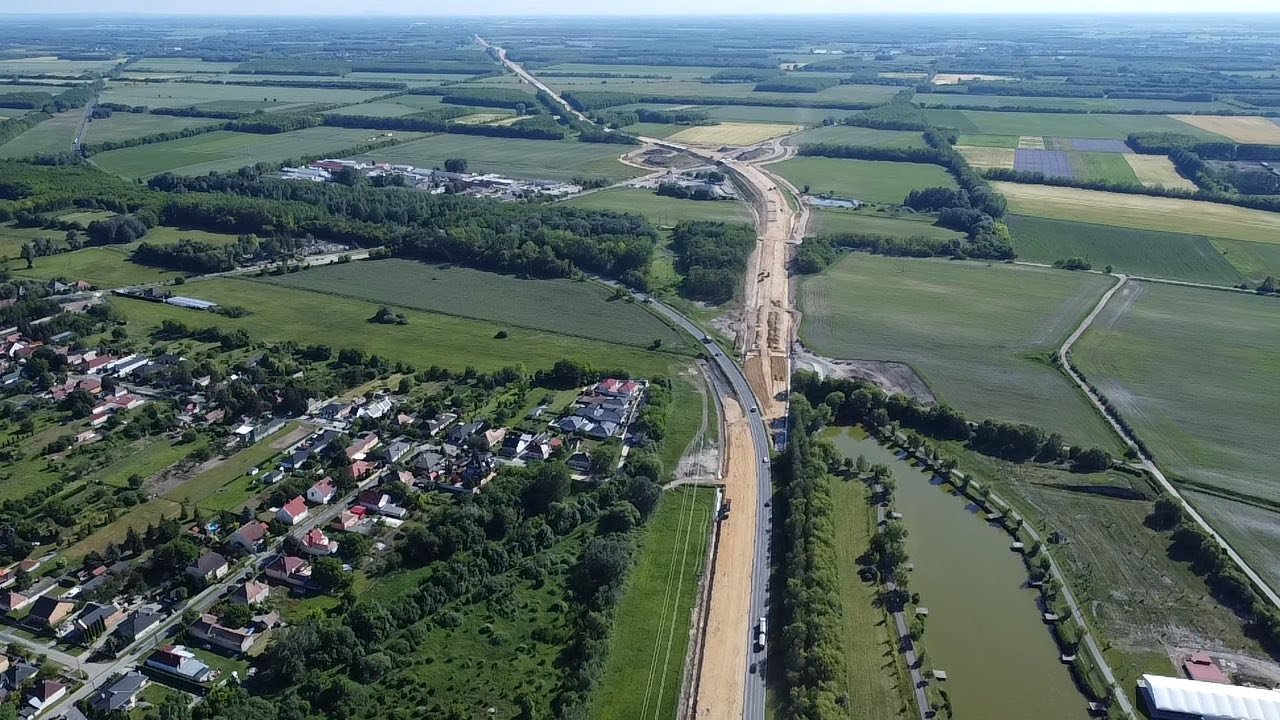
column 721, row 686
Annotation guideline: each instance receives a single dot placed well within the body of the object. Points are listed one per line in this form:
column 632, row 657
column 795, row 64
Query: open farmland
column 246, row 97
column 1128, row 250
column 190, row 65
column 731, row 133
column 50, row 65
column 54, row 135
column 1067, row 125
column 1254, row 260
column 1105, row 166
column 987, row 358
column 1049, row 163
column 1093, row 105
column 985, row 157
column 536, row 159
column 223, row 150
column 660, row 210
column 566, row 307
column 642, row 677
column 1142, row 212
column 281, row 313
column 1192, row 370
column 105, row 267
column 1256, row 130
column 824, row 221
column 854, row 135
column 123, row 126
column 1157, row 171
column 1252, row 530
column 871, row 181
column 762, row 113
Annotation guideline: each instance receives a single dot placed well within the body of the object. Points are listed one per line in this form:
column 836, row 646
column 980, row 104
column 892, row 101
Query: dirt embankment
column 892, row 377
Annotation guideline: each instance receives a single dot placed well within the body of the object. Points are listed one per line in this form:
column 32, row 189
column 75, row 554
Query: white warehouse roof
column 1212, row 701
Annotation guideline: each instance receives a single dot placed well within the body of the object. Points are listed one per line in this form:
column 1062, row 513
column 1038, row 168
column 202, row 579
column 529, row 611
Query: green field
column 660, row 210
column 50, row 65
column 1109, row 167
column 54, row 135
column 1255, row 260
column 377, row 109
column 830, row 221
column 1138, row 252
column 870, row 181
column 123, row 126
column 763, row 113
column 1095, row 125
column 873, row 684
column 1094, row 105
column 168, row 95
column 727, row 93
column 537, row 159
column 854, row 135
column 282, row 313
column 566, row 307
column 654, row 130
column 193, row 65
column 979, row 334
column 1253, row 531
column 642, row 675
column 222, row 150
column 105, row 267
column 1000, row 141
column 1190, row 369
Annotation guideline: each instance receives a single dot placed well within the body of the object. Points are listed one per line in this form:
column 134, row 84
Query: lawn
column 105, row 267
column 1093, row 125
column 873, row 684
column 54, row 135
column 565, row 307
column 870, row 181
column 220, row 479
column 138, row 517
column 146, row 459
column 1191, row 370
column 282, row 313
column 1142, row 212
column 1128, row 250
column 827, row 222
column 642, row 676
column 979, row 334
column 854, row 135
column 123, row 126
column 661, row 210
column 537, row 159
column 1108, row 167
column 222, row 150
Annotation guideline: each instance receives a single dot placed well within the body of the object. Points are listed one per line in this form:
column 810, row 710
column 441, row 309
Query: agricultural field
column 564, row 307
column 1142, row 212
column 1133, row 251
column 55, row 135
column 1093, row 105
column 642, row 677
column 1108, row 167
column 50, row 65
column 1067, row 125
column 987, row 157
column 854, row 135
column 660, row 210
column 662, row 72
column 761, row 113
column 870, row 181
column 728, row 93
column 1252, row 530
column 376, row 109
column 732, row 134
column 655, row 130
column 192, row 65
column 535, row 159
column 104, row 267
column 219, row 96
column 281, row 313
column 825, row 221
column 1256, row 130
column 1185, row 366
column 1158, row 171
column 124, row 126
column 223, row 150
column 989, row 359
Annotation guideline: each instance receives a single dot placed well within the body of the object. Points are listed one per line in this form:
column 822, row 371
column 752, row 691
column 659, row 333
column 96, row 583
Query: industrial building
column 1170, row 698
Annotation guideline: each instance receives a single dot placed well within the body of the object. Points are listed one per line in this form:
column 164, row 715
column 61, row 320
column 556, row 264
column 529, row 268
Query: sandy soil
column 1258, row 130
column 721, row 687
column 892, row 377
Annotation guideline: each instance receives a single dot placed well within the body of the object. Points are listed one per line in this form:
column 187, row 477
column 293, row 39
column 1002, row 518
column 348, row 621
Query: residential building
column 121, row 695
column 396, row 450
column 250, row 537
column 362, row 445
column 617, row 388
column 180, row 662
column 439, row 423
column 97, row 619
column 17, row 674
column 514, row 445
column 42, row 696
column 463, row 433
column 49, row 612
column 137, row 624
column 293, row 511
column 11, row 601
column 317, row 543
column 207, row 629
column 322, row 492
column 289, row 569
column 211, row 567
column 251, row 592
column 374, row 500
column 346, row 521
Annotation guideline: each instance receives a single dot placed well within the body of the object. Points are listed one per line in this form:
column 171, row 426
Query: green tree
column 29, row 254
column 455, row 165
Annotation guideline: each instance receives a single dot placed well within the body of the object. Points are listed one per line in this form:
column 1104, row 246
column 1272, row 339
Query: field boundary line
column 1147, row 463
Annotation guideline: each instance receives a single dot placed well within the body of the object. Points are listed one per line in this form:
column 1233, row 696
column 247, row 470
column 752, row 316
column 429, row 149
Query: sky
column 628, row 7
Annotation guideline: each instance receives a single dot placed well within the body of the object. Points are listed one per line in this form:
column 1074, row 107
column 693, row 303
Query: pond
column 984, row 627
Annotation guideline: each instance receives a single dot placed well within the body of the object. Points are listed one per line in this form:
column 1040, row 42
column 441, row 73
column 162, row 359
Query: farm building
column 191, row 303
column 1177, row 699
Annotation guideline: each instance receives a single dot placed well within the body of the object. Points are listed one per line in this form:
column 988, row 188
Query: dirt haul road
column 721, row 687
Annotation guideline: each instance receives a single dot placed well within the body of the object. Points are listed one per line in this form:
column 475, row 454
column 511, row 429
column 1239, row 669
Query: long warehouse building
column 1178, row 699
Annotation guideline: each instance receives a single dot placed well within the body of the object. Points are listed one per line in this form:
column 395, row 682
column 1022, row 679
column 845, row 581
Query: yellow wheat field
column 1193, row 217
column 1257, row 130
column 1153, row 170
column 953, row 78
column 1031, row 142
column 733, row 134
column 988, row 158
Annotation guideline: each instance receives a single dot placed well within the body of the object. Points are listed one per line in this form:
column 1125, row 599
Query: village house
column 47, row 613
column 250, row 536
column 289, row 569
column 180, row 662
column 439, row 423
column 43, row 695
column 11, row 601
column 250, row 593
column 120, row 696
column 98, row 619
column 462, row 434
column 234, row 640
column 317, row 543
column 137, row 624
column 209, row 568
column 346, row 521
column 293, row 511
column 396, row 450
column 358, row 449
column 322, row 492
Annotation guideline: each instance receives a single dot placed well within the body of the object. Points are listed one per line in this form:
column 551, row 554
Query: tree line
column 711, row 258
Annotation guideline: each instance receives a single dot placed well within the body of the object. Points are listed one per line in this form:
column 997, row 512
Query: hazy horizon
column 672, row 8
